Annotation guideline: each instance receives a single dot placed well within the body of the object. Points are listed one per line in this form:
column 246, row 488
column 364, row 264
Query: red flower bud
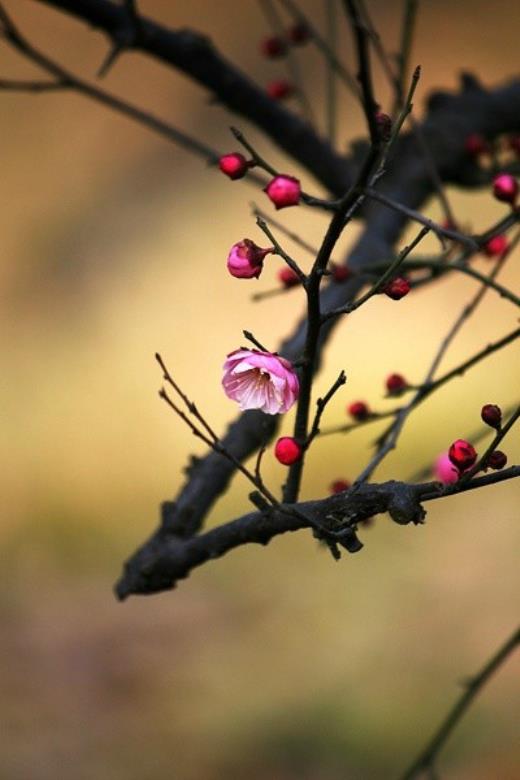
column 339, row 485
column 288, row 277
column 273, row 47
column 397, row 288
column 234, row 165
column 384, row 125
column 340, row 273
column 462, row 454
column 299, row 33
column 279, row 89
column 475, row 145
column 496, row 246
column 491, row 415
column 396, row 384
column 497, row 460
column 246, row 259
column 514, row 144
column 505, row 188
column 359, row 410
column 287, row 450
column 283, row 191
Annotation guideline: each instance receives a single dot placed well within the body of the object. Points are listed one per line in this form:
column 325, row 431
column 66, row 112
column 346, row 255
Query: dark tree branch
column 427, row 759
column 195, row 55
column 449, row 120
column 167, row 558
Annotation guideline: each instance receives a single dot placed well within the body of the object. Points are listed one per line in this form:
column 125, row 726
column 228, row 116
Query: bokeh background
column 271, row 663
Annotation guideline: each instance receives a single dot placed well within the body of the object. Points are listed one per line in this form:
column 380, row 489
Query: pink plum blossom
column 444, row 469
column 260, row 380
column 245, row 259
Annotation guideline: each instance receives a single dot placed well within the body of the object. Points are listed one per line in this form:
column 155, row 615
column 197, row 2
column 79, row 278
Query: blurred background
column 270, row 663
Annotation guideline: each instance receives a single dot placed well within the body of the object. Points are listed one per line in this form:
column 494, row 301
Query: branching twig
column 427, row 759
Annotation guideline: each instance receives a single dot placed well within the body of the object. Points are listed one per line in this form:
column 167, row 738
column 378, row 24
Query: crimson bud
column 340, row 273
column 497, row 460
column 279, row 89
column 359, row 410
column 339, row 485
column 273, row 47
column 475, row 145
column 287, row 450
column 234, row 165
column 496, row 246
column 462, row 454
column 396, row 384
column 514, row 144
column 397, row 288
column 491, row 415
column 288, row 277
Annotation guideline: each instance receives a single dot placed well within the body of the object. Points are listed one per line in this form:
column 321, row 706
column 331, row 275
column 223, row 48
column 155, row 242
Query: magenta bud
column 283, row 191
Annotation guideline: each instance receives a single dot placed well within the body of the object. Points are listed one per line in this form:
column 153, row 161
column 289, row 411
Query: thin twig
column 330, row 71
column 364, row 72
column 279, row 250
column 416, row 216
column 379, row 284
column 388, row 440
column 427, row 758
column 209, row 438
column 263, row 215
column 321, row 403
column 483, row 460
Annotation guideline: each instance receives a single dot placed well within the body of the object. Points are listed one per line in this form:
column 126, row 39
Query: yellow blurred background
column 270, row 663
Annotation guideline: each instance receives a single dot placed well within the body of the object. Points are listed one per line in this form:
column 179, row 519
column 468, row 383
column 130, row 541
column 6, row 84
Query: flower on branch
column 444, row 469
column 234, row 165
column 462, row 454
column 260, row 380
column 246, row 259
column 283, row 191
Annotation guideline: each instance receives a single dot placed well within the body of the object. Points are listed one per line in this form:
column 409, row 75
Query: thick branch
column 166, row 558
column 196, row 56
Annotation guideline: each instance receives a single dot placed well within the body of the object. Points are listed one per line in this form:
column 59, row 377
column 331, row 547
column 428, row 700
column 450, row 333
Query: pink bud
column 396, row 384
column 283, row 191
column 444, row 469
column 246, row 259
column 505, row 188
column 339, row 485
column 298, row 34
column 475, row 145
column 234, row 165
column 273, row 47
column 287, row 450
column 359, row 410
column 462, row 454
column 397, row 288
column 288, row 277
column 279, row 89
column 496, row 246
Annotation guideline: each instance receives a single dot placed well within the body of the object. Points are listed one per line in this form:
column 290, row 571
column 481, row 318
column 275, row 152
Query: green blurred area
column 272, row 663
